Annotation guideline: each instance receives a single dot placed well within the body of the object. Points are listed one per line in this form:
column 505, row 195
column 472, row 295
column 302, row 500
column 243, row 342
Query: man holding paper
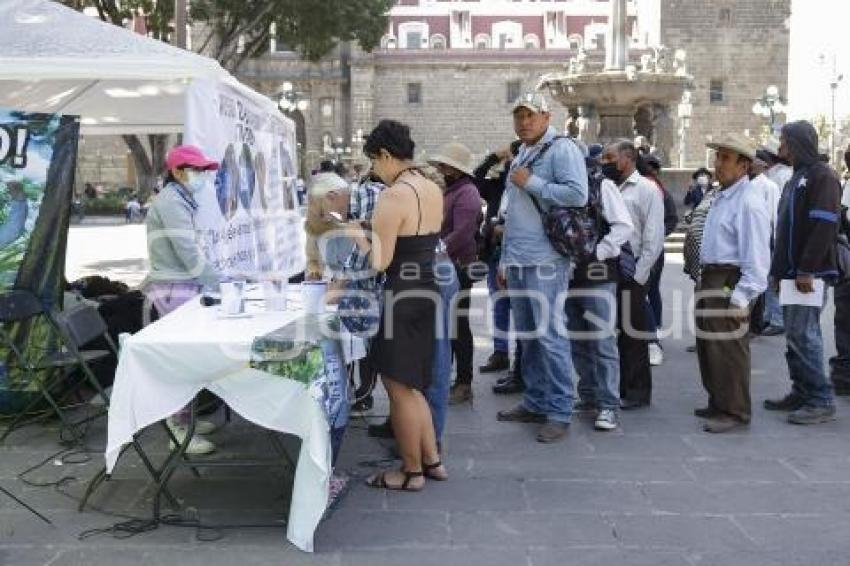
column 735, row 260
column 803, row 258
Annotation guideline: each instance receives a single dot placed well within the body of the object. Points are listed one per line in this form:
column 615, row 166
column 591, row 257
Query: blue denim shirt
column 558, row 178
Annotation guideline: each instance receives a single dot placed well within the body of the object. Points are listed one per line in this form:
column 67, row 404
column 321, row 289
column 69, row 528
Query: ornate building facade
column 452, row 68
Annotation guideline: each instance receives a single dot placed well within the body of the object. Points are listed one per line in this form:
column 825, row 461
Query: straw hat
column 455, row 155
column 739, row 143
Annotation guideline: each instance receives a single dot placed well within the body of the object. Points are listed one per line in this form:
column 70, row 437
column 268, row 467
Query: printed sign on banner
column 247, row 218
column 38, row 154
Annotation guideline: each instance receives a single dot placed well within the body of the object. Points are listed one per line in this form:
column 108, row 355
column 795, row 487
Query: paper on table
column 789, row 295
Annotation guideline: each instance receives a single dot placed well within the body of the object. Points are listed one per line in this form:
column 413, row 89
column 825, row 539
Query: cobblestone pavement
column 657, row 492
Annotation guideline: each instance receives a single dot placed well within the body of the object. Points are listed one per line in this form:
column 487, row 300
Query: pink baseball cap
column 188, row 156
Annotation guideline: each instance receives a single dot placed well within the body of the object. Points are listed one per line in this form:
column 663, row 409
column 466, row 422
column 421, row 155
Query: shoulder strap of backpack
column 537, row 157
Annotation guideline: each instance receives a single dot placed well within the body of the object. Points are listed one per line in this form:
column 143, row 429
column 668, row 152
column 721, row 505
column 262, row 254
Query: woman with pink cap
column 179, row 270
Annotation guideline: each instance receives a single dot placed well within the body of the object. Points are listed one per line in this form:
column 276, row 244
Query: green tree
column 237, row 30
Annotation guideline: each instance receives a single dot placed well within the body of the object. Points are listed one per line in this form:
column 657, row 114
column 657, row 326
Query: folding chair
column 70, row 332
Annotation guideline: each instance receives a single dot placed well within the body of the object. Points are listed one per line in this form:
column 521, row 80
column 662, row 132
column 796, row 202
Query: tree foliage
column 236, row 30
column 233, row 31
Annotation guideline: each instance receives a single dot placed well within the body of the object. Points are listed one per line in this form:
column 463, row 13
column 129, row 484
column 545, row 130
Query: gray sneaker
column 812, row 415
column 606, row 420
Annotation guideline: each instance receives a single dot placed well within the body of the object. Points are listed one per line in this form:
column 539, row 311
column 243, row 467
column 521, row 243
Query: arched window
column 530, row 41
column 576, row 41
column 438, row 41
column 482, row 41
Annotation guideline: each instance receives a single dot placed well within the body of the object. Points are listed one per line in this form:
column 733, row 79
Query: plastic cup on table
column 232, row 300
column 313, row 296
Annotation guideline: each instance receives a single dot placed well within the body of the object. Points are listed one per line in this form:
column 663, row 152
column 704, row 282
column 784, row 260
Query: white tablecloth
column 163, row 367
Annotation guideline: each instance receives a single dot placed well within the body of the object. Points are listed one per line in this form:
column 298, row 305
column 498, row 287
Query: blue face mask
column 196, row 181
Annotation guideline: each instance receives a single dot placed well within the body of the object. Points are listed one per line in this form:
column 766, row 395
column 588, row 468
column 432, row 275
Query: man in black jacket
column 804, row 252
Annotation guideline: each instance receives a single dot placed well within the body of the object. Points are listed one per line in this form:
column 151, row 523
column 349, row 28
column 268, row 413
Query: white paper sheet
column 789, row 295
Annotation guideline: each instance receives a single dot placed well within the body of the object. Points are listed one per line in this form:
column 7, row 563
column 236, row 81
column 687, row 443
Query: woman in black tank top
column 402, row 351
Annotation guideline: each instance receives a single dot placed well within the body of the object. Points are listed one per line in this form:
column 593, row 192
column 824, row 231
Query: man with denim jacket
column 550, row 170
column 806, row 232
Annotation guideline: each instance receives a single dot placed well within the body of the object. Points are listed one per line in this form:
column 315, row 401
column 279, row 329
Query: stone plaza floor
column 656, row 492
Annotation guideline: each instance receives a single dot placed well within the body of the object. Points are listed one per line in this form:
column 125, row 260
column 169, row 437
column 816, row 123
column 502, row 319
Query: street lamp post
column 685, row 113
column 834, row 81
column 769, row 105
column 291, row 100
column 833, row 85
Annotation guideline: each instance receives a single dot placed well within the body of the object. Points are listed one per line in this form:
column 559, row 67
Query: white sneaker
column 201, row 426
column 606, row 420
column 198, row 446
column 656, row 354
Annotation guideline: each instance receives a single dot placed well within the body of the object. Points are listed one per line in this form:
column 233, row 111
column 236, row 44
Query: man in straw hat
column 462, row 219
column 549, row 171
column 734, row 257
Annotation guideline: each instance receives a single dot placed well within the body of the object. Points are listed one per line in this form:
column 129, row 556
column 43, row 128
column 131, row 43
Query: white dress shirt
column 845, row 198
column 780, row 174
column 770, row 192
column 615, row 212
column 646, row 207
column 737, row 232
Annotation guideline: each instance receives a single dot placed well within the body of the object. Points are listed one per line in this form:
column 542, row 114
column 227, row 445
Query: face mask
column 196, row 181
column 610, row 171
column 702, row 180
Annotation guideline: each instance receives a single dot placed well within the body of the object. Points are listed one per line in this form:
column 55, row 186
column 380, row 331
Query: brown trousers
column 723, row 346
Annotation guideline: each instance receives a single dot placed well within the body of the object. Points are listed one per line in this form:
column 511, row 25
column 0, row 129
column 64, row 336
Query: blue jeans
column 596, row 359
column 438, row 393
column 546, row 362
column 501, row 311
column 653, row 296
column 772, row 309
column 805, row 355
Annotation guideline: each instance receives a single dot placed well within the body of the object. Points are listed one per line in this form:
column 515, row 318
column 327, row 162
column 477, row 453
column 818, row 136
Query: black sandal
column 428, row 471
column 380, row 482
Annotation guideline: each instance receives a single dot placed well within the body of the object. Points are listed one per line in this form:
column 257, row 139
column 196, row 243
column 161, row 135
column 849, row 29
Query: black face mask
column 610, row 171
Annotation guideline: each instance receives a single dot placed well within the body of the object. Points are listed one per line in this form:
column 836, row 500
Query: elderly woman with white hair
column 327, row 246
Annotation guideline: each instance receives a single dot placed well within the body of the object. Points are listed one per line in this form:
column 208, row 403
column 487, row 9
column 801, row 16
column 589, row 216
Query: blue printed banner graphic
column 38, row 155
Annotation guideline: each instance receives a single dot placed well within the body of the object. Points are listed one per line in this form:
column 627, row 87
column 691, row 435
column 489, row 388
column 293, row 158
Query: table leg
column 171, row 463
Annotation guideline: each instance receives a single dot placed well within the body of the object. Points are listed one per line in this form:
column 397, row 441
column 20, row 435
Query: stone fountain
column 622, row 100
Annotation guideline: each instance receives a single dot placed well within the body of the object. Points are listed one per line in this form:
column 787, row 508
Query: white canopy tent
column 57, row 60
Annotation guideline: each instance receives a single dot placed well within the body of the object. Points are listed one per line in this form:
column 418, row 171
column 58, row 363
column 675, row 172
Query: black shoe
column 498, row 361
column 520, row 414
column 771, row 330
column 790, row 402
column 363, row 405
column 707, row 413
column 630, row 404
column 508, row 386
column 383, row 430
